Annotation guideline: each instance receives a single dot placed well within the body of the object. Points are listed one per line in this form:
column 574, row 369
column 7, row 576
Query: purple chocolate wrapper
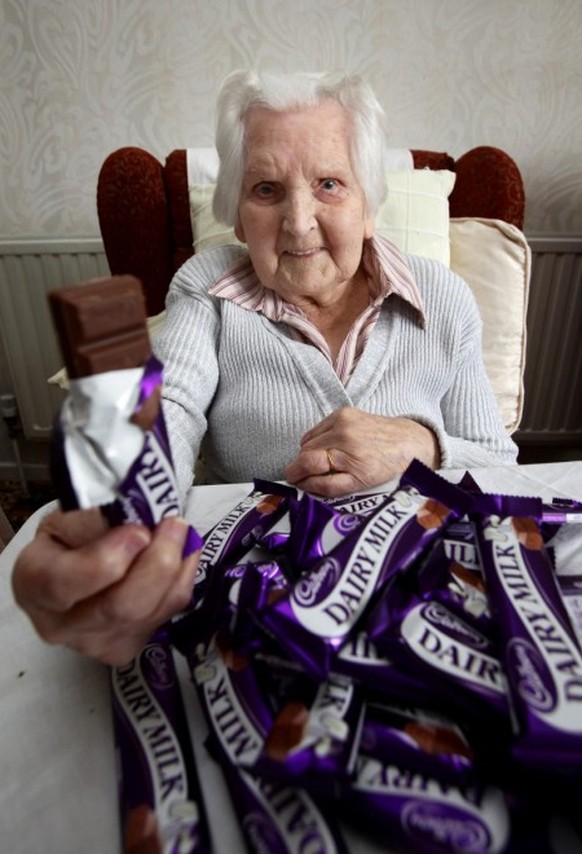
column 231, row 597
column 148, row 491
column 278, row 818
column 461, row 587
column 325, row 604
column 238, row 713
column 155, row 763
column 453, row 656
column 315, row 733
column 418, row 812
column 307, row 733
column 156, row 771
column 541, row 652
column 316, row 529
column 420, row 740
column 274, row 816
column 244, row 526
column 360, row 659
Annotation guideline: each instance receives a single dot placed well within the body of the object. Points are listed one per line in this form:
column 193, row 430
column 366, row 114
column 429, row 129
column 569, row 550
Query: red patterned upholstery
column 144, row 212
column 488, row 183
column 133, row 212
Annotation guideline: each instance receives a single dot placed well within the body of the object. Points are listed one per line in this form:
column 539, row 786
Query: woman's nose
column 299, row 213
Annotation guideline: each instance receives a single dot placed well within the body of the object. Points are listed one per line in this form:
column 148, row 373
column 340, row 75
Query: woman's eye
column 330, row 189
column 264, row 190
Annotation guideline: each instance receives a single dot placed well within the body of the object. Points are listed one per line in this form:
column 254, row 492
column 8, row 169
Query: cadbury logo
column 316, row 585
column 442, row 825
column 157, row 658
column 439, row 616
column 346, row 522
column 530, row 670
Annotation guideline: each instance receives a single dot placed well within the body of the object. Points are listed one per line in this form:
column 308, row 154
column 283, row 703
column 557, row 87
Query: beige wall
column 80, row 78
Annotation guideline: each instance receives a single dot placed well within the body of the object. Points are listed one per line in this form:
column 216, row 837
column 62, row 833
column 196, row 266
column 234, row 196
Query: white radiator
column 28, row 270
column 552, row 411
column 553, row 380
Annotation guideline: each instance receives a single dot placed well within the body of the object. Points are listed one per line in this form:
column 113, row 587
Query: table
column 57, row 783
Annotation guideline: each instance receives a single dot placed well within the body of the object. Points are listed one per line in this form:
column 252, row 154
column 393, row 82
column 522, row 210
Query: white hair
column 243, row 90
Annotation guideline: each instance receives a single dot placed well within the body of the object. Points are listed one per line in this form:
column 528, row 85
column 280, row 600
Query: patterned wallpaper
column 80, row 78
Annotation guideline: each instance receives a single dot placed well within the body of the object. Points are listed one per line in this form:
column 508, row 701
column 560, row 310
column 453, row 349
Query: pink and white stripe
column 388, row 274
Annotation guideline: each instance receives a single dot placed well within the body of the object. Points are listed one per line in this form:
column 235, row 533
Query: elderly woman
column 318, row 354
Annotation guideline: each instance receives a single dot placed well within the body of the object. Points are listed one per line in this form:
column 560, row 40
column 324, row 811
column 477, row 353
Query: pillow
column 207, row 232
column 495, row 260
column 415, row 215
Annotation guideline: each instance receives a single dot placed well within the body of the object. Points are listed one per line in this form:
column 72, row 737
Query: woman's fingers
column 53, row 575
column 105, row 596
column 352, row 450
column 151, row 579
column 74, row 528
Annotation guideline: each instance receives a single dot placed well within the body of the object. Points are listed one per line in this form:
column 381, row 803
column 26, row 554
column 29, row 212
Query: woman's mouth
column 302, row 253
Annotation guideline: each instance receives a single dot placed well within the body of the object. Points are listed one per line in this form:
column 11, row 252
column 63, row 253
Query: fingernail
column 174, row 528
column 134, row 539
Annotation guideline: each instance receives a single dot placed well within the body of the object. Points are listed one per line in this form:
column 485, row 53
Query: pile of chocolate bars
column 406, row 661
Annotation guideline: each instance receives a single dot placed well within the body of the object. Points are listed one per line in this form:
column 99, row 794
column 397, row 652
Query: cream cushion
column 415, row 216
column 206, row 231
column 494, row 258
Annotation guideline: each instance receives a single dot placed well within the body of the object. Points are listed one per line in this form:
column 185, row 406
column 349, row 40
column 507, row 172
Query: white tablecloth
column 57, row 779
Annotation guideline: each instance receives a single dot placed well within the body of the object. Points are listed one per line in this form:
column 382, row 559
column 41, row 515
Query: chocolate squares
column 101, row 325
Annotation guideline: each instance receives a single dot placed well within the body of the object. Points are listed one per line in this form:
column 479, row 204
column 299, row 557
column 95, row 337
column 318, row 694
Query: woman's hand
column 103, row 591
column 362, row 451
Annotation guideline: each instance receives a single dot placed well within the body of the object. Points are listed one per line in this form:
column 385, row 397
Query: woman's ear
column 369, row 227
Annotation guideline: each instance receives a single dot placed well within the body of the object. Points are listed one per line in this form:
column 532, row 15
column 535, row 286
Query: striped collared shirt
column 388, row 274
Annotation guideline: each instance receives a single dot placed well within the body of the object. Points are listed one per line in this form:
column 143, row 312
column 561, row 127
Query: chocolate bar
column 408, row 809
column 110, row 449
column 437, row 644
column 159, row 788
column 542, row 655
column 101, row 325
column 324, row 605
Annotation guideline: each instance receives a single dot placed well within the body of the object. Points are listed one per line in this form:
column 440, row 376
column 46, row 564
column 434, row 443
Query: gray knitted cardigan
column 238, row 387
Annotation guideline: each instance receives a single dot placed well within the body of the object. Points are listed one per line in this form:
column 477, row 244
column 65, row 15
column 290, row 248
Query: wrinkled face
column 302, row 211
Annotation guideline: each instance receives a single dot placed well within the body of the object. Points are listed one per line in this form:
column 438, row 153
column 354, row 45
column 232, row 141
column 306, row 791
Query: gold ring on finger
column 332, row 469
